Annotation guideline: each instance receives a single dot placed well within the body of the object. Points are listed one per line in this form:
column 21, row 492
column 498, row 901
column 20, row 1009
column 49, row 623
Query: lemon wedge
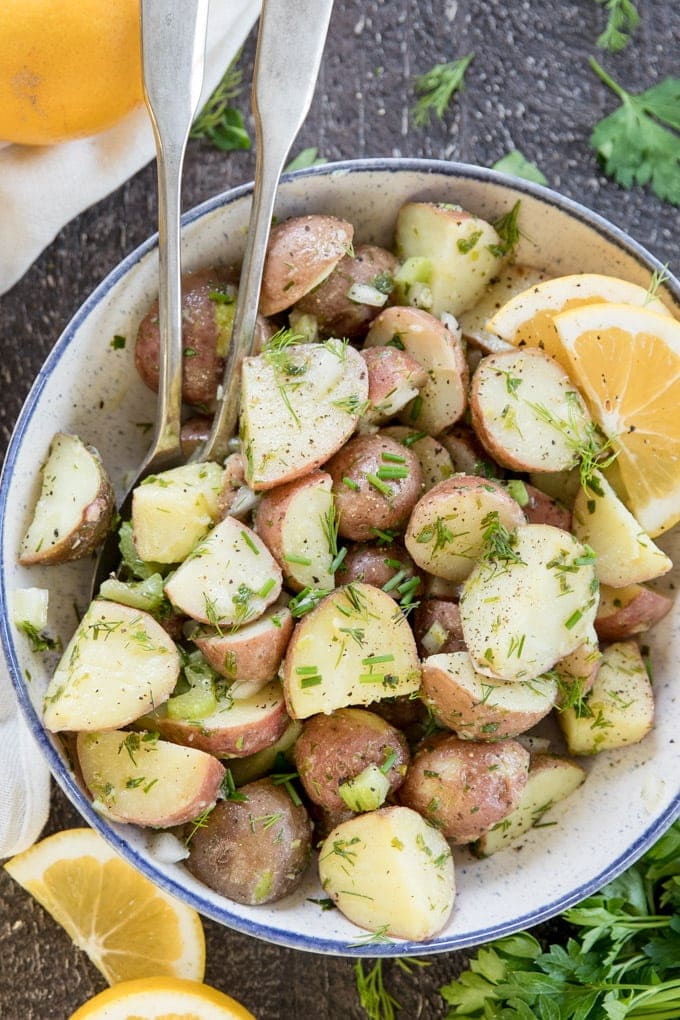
column 127, row 926
column 162, row 998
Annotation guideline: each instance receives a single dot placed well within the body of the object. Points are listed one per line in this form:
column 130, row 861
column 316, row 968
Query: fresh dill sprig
column 437, row 86
column 659, row 277
column 377, row 1002
column 592, row 449
column 219, row 122
column 498, row 541
column 507, row 228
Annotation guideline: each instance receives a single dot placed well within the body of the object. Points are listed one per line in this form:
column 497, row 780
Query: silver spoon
column 290, row 45
column 173, row 52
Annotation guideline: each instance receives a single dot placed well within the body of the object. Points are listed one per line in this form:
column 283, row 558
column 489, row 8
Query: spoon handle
column 173, row 50
column 290, row 45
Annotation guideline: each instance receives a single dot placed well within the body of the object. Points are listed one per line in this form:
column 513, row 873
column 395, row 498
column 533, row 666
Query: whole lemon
column 67, row 67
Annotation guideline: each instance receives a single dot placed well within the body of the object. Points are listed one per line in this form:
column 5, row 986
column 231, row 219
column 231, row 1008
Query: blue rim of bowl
column 363, row 946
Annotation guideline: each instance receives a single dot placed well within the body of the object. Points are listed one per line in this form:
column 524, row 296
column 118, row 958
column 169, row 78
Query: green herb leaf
column 622, row 20
column 304, row 159
column 516, row 164
column 437, row 87
column 219, row 122
column 633, row 145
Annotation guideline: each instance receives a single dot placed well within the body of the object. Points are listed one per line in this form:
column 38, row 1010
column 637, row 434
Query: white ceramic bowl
column 89, row 388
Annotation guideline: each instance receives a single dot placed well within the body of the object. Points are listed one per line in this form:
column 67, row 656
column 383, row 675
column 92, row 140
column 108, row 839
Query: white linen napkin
column 41, row 189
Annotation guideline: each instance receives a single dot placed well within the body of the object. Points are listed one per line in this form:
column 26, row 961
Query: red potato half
column 298, row 407
column 389, row 871
column 235, row 728
column 208, row 305
column 254, row 850
column 526, row 411
column 339, row 747
column 445, row 533
column 376, row 482
column 394, row 379
column 624, row 612
column 135, row 777
column 296, row 523
column 354, row 648
column 117, row 666
column 337, row 304
column 523, row 612
column 443, row 398
column 478, row 708
column 301, row 253
column 75, row 507
column 252, row 653
column 467, row 454
column 465, row 787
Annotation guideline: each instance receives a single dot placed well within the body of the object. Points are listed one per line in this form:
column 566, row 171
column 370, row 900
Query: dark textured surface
column 529, row 87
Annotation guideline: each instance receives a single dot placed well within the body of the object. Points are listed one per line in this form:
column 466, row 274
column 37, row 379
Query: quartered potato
column 135, row 777
column 301, row 253
column 174, row 510
column 551, row 779
column 458, row 255
column 619, row 709
column 299, row 404
column 391, row 871
column 354, row 648
column 119, row 664
column 75, row 507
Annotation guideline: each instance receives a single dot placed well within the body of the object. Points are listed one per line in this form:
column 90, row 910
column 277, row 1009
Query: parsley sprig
column 639, row 143
column 621, row 962
column 437, row 87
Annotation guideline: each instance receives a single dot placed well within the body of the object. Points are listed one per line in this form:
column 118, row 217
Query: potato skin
column 464, row 787
column 337, row 747
column 253, row 851
column 201, row 369
column 369, row 562
column 336, row 314
column 363, row 509
column 302, row 251
column 194, row 432
column 628, row 611
column 444, row 614
column 542, row 509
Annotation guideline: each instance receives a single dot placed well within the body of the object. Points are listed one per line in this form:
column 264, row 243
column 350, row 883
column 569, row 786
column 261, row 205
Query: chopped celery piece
column 367, row 791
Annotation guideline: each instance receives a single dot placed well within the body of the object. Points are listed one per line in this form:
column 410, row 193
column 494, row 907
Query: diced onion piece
column 366, row 294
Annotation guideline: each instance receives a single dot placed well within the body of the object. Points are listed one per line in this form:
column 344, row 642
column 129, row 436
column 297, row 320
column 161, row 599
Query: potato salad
column 402, row 613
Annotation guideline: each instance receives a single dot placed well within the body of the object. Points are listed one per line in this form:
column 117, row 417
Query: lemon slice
column 527, row 318
column 626, row 362
column 162, row 999
column 127, row 926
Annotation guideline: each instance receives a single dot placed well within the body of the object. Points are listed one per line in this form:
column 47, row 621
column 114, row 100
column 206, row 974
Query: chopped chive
column 307, row 670
column 378, row 484
column 310, row 681
column 304, row 561
column 573, row 619
column 336, row 562
column 266, row 587
column 413, row 438
column 371, row 659
column 394, row 581
column 392, row 471
column 351, row 484
column 388, row 763
column 249, row 542
column 393, row 457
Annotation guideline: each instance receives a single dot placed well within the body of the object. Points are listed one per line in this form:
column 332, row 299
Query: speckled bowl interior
column 88, row 387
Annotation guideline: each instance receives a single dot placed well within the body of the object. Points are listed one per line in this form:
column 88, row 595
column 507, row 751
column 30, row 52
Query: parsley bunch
column 621, row 963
